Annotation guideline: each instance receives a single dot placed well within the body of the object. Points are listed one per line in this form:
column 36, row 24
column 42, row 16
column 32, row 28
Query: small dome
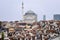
column 30, row 12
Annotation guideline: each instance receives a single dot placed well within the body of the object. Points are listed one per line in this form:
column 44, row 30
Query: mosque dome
column 30, row 12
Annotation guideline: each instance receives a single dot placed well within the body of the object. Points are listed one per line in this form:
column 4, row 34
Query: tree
column 2, row 35
column 0, row 23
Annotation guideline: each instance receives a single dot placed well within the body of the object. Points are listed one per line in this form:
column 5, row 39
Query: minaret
column 22, row 8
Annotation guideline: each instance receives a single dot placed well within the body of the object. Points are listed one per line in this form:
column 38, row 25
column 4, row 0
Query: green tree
column 0, row 23
column 2, row 35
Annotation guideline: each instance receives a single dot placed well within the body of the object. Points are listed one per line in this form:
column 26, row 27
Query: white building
column 30, row 17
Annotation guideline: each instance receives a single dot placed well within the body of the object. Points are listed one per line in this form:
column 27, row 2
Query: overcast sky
column 11, row 9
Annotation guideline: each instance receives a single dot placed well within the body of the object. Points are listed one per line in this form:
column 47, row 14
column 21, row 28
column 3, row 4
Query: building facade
column 57, row 17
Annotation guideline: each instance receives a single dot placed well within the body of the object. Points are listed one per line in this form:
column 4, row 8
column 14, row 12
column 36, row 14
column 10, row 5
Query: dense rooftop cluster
column 42, row 30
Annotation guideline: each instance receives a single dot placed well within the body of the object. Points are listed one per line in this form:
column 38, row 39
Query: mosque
column 29, row 17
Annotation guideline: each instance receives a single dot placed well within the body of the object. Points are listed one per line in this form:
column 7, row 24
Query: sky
column 11, row 10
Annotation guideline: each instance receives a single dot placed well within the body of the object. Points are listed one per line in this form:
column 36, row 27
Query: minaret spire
column 22, row 7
